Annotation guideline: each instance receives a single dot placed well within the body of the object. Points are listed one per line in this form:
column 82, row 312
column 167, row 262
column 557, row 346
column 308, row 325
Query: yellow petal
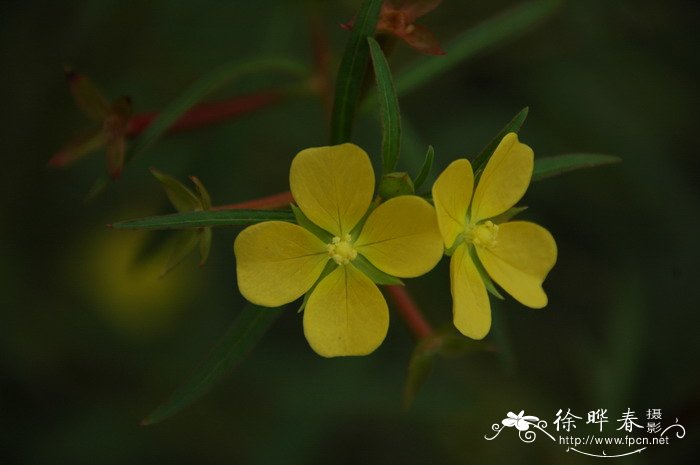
column 470, row 302
column 401, row 237
column 523, row 255
column 504, row 180
column 346, row 314
column 277, row 262
column 452, row 193
column 333, row 186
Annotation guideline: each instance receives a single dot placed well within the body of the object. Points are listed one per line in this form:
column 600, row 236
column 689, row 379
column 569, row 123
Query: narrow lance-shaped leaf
column 425, row 169
column 547, row 167
column 243, row 335
column 352, row 71
column 205, row 219
column 513, row 125
column 389, row 108
column 495, row 31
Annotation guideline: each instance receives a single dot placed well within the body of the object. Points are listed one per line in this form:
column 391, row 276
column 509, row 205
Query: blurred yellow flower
column 278, row 262
column 517, row 255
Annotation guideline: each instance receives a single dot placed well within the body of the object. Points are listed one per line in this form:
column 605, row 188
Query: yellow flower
column 517, row 254
column 278, row 262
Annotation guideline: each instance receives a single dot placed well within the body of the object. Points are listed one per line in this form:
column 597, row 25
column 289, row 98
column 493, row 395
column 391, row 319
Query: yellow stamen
column 483, row 234
column 341, row 251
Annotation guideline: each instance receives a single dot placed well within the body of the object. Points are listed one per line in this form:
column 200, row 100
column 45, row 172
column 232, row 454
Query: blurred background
column 91, row 340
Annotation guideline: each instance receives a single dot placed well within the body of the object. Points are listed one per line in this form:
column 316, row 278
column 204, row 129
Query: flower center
column 483, row 234
column 341, row 250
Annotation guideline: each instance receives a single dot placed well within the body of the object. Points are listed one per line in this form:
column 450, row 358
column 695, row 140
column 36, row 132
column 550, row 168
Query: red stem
column 283, row 199
column 409, row 311
column 208, row 113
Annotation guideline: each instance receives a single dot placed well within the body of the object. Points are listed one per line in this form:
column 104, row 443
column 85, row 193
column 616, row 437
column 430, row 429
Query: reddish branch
column 208, row 113
column 409, row 311
column 283, row 199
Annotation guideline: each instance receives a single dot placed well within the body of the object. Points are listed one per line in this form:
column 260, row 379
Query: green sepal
column 355, row 233
column 79, row 147
column 184, row 242
column 395, row 184
column 508, row 215
column 375, row 274
column 182, row 198
column 490, row 286
column 87, row 96
column 116, row 148
column 458, row 241
column 310, row 226
column 425, row 169
column 202, row 193
column 204, row 245
column 330, row 266
column 122, row 108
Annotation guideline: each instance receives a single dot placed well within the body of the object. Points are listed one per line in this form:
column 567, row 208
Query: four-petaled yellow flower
column 517, row 255
column 278, row 262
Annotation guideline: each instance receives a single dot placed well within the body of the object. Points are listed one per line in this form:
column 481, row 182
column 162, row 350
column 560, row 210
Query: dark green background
column 80, row 366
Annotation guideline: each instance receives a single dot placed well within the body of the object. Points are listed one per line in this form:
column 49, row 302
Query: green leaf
column 389, row 108
column 310, row 226
column 180, row 196
column 204, row 87
column 553, row 166
column 425, row 169
column 374, row 273
column 243, row 335
column 352, row 71
column 495, row 31
column 508, row 215
column 513, row 125
column 205, row 219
